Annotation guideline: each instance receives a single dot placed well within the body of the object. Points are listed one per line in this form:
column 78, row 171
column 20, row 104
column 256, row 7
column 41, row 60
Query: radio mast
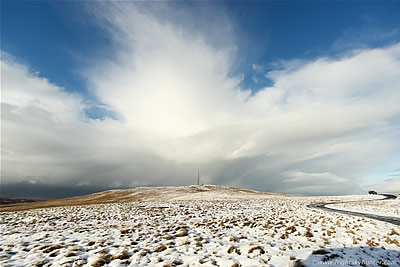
column 198, row 177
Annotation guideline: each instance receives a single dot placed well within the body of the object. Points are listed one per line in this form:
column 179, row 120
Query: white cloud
column 330, row 119
column 20, row 87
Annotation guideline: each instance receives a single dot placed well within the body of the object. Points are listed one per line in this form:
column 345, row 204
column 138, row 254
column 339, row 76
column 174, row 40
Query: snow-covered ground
column 197, row 229
column 389, row 207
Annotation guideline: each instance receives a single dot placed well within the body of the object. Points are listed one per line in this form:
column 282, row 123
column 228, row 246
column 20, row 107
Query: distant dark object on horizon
column 372, row 192
column 4, row 200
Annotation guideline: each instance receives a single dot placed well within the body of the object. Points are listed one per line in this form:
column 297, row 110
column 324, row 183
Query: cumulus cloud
column 46, row 139
column 320, row 126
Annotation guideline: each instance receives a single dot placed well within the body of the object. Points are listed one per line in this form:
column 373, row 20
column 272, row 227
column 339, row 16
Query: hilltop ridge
column 161, row 193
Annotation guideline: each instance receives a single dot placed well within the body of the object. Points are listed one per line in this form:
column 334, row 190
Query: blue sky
column 125, row 71
column 57, row 38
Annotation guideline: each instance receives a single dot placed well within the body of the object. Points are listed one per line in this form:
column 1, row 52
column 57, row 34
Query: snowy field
column 384, row 208
column 198, row 229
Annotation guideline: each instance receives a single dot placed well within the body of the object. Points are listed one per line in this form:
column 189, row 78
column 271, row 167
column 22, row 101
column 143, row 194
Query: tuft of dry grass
column 394, row 241
column 124, row 255
column 160, row 248
column 259, row 248
column 308, row 234
column 177, row 262
column 203, row 260
column 70, row 254
column 234, row 249
column 52, row 248
column 290, row 229
column 144, row 252
column 372, row 243
column 393, row 232
column 182, row 233
column 40, row 263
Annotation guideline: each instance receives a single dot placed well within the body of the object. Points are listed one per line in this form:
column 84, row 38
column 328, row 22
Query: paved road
column 388, row 219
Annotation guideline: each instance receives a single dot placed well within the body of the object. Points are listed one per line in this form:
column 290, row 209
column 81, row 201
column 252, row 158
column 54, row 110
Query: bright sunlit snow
column 197, row 226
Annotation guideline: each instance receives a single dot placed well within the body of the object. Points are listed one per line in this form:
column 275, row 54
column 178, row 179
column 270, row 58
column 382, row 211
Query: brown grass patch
column 393, row 232
column 123, row 256
column 182, row 233
column 160, row 248
column 260, row 249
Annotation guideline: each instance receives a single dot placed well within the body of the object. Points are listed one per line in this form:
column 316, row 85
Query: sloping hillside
column 165, row 193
